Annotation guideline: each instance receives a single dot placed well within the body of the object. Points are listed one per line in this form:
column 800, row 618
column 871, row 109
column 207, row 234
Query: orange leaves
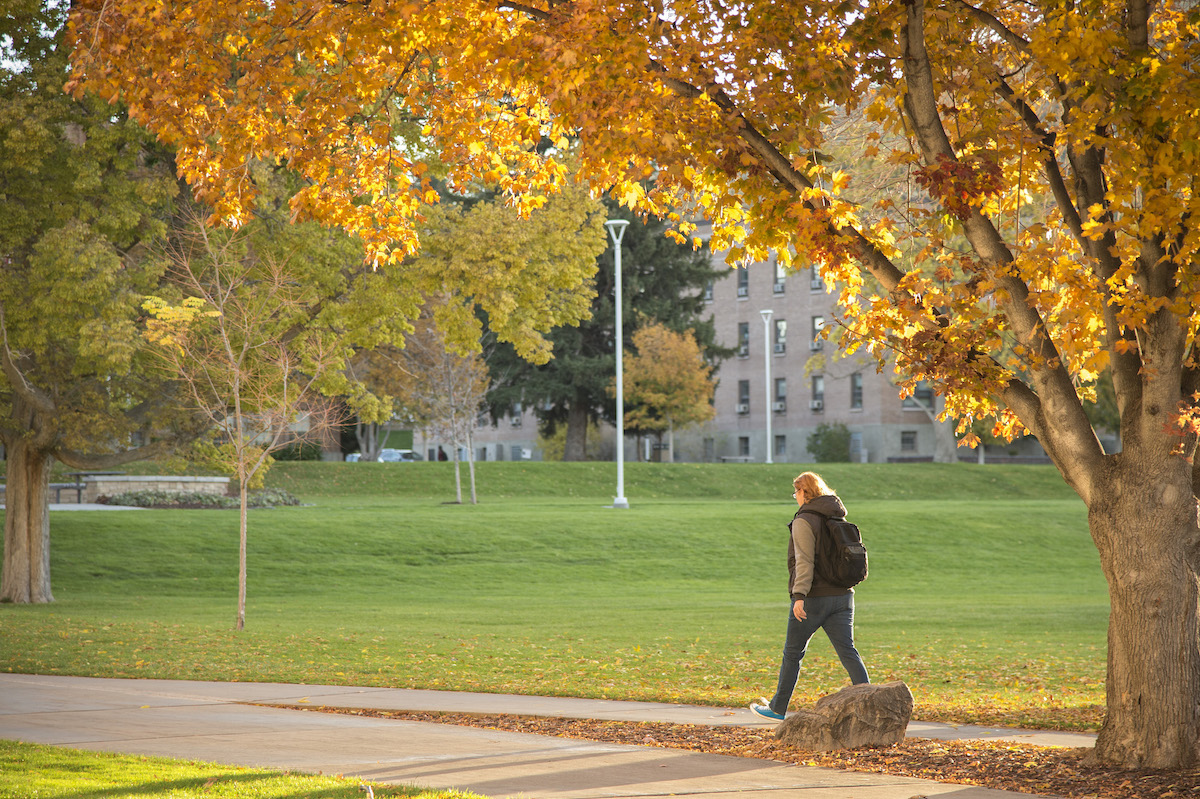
column 961, row 185
column 788, row 131
column 667, row 382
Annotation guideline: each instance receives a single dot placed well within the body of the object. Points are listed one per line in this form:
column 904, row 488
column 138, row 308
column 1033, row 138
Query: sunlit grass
column 985, row 593
column 45, row 772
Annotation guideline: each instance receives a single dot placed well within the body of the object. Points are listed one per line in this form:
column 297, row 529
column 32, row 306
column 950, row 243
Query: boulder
column 857, row 716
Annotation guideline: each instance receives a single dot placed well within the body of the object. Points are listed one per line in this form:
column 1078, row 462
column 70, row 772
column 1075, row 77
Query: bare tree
column 445, row 393
column 237, row 339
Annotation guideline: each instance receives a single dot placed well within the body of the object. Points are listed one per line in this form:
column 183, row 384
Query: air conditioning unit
column 516, row 421
column 743, row 407
column 743, row 291
column 780, row 347
column 817, row 405
column 778, row 289
column 779, row 406
column 816, row 344
column 743, row 351
column 816, row 284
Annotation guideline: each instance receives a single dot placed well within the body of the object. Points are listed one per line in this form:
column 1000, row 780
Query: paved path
column 212, row 722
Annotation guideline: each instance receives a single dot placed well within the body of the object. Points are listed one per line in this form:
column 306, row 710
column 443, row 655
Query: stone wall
column 106, row 486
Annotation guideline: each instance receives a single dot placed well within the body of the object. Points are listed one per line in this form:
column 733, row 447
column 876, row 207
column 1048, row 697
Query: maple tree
column 1052, row 148
column 667, row 383
column 544, row 264
column 83, row 191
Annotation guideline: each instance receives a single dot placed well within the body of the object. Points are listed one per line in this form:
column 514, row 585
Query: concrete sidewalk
column 212, row 722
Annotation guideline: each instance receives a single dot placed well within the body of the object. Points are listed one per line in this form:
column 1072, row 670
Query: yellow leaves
column 169, row 324
column 234, row 43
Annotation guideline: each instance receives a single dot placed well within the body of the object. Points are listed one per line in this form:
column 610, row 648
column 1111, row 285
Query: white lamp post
column 766, row 317
column 616, row 229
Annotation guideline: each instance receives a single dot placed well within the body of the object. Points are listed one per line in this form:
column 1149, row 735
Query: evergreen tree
column 663, row 282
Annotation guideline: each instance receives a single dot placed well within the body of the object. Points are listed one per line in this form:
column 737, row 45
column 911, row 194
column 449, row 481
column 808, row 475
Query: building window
column 922, row 398
column 815, row 343
column 780, row 336
column 516, row 413
column 743, row 403
column 743, row 339
column 815, row 282
column 780, row 274
column 818, row 393
column 779, row 403
column 744, row 446
column 743, row 283
column 780, row 446
column 856, row 391
column 708, row 291
column 908, row 440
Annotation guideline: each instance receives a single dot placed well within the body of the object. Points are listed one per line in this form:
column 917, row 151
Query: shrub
column 267, row 498
column 830, row 443
column 298, row 451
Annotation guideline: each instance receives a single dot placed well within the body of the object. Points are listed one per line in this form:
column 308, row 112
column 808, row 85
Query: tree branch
column 1076, row 438
column 878, row 264
column 994, row 25
column 1050, row 165
column 28, row 393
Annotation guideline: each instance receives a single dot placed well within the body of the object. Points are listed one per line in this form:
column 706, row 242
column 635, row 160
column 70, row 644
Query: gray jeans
column 833, row 614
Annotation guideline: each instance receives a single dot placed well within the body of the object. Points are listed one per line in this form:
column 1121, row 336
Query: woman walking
column 816, row 604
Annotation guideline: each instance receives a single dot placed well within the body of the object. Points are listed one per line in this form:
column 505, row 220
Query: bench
column 78, row 486
column 735, row 459
column 58, row 488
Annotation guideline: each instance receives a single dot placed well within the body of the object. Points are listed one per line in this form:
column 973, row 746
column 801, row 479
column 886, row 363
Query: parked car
column 399, row 456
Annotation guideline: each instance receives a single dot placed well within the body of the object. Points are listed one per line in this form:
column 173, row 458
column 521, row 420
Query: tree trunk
column 241, row 608
column 370, row 440
column 26, row 574
column 575, row 448
column 671, row 441
column 1144, row 523
column 457, row 477
column 471, row 467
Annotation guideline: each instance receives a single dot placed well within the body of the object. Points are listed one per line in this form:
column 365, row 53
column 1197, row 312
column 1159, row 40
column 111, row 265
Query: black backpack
column 841, row 556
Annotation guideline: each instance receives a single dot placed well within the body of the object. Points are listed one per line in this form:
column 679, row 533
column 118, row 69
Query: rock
column 857, row 716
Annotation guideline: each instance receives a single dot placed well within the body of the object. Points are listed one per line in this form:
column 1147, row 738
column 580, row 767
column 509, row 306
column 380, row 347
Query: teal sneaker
column 765, row 711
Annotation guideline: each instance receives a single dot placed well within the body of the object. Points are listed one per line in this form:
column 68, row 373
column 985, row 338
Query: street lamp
column 766, row 317
column 616, row 229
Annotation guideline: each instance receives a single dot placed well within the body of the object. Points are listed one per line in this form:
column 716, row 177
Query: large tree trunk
column 575, row 448
column 26, row 573
column 1144, row 522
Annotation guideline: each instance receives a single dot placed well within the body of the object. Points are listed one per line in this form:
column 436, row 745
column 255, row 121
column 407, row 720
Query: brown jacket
column 802, row 547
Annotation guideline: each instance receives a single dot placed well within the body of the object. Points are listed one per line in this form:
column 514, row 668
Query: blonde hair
column 812, row 485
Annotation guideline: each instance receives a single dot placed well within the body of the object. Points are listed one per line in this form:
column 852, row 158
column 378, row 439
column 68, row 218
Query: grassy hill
column 753, row 481
column 985, row 592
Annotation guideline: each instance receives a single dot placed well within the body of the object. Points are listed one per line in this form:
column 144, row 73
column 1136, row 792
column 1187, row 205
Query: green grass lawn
column 985, row 593
column 49, row 772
